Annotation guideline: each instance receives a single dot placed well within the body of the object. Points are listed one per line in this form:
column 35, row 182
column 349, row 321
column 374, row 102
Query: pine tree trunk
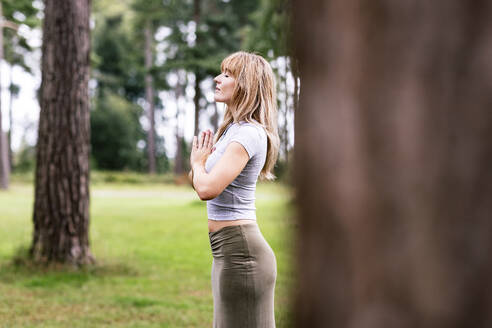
column 61, row 208
column 295, row 73
column 4, row 161
column 178, row 161
column 149, row 96
column 4, row 172
column 393, row 163
column 11, row 122
column 198, row 77
column 196, row 101
column 215, row 118
column 285, row 128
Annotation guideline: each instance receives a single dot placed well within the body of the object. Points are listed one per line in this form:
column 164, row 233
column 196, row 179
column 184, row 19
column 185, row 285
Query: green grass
column 153, row 254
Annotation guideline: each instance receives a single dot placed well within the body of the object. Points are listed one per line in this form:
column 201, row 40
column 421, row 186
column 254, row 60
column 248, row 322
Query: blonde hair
column 253, row 100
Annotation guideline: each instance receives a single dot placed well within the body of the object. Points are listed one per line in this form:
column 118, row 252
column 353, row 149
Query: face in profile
column 224, row 87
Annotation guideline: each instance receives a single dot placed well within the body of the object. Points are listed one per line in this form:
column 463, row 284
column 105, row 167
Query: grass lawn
column 153, row 253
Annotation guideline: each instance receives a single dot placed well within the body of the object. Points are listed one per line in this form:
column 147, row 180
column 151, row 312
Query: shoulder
column 250, row 135
column 253, row 130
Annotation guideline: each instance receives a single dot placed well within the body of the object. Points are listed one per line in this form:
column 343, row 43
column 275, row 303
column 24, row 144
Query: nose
column 216, row 79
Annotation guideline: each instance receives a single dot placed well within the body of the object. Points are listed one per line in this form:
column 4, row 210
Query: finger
column 211, row 140
column 200, row 140
column 206, row 140
column 195, row 142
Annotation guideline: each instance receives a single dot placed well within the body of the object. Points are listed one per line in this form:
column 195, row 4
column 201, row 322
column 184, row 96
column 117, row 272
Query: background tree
column 201, row 36
column 4, row 155
column 149, row 14
column 61, row 208
column 393, row 154
column 14, row 50
column 197, row 36
column 14, row 93
column 119, row 74
column 121, row 70
column 115, row 132
column 269, row 35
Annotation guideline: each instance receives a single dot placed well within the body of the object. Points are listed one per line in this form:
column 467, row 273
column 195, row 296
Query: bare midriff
column 214, row 225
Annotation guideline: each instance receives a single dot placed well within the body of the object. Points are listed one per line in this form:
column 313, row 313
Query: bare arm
column 210, row 185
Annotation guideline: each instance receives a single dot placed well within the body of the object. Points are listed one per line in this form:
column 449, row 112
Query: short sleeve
column 249, row 137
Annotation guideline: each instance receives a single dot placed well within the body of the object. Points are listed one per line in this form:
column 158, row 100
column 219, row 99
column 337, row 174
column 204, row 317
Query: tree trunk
column 149, row 97
column 215, row 117
column 393, row 157
column 178, row 161
column 4, row 172
column 196, row 101
column 285, row 128
column 11, row 120
column 295, row 74
column 61, row 208
column 198, row 77
column 4, row 160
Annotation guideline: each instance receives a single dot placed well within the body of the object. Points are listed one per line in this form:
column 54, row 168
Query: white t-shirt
column 237, row 201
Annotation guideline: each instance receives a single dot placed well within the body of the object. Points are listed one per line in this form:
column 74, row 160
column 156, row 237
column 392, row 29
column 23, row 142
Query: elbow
column 206, row 193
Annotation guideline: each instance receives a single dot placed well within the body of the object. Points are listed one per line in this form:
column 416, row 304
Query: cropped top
column 237, row 200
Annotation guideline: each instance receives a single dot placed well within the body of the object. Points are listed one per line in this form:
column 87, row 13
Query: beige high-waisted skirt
column 243, row 278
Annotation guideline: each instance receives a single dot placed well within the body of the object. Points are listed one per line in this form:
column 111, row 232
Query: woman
column 225, row 174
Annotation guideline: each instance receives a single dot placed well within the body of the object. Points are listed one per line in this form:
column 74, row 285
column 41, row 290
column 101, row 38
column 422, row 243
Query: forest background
column 151, row 61
column 392, row 174
column 150, row 90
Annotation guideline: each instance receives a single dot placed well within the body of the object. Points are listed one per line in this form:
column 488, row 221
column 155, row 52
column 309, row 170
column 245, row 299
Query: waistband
column 230, row 235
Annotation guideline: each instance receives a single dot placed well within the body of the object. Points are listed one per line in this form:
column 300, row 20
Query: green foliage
column 19, row 12
column 118, row 66
column 25, row 159
column 25, row 7
column 153, row 260
column 186, row 152
column 270, row 31
column 129, row 178
column 223, row 27
column 115, row 132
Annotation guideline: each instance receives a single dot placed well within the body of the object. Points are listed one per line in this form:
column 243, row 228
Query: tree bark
column 393, row 157
column 4, row 172
column 196, row 101
column 61, row 208
column 149, row 96
column 4, row 161
column 179, row 160
column 198, row 77
column 285, row 128
column 214, row 120
column 11, row 120
column 295, row 74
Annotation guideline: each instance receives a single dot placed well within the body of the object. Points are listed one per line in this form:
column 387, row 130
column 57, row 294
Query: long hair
column 253, row 100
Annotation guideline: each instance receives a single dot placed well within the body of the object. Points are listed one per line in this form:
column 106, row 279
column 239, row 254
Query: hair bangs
column 233, row 64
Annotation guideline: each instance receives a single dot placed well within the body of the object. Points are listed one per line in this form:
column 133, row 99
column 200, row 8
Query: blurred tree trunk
column 61, row 208
column 198, row 76
column 196, row 101
column 295, row 74
column 393, row 163
column 4, row 172
column 4, row 161
column 285, row 127
column 179, row 160
column 214, row 120
column 14, row 92
column 149, row 97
